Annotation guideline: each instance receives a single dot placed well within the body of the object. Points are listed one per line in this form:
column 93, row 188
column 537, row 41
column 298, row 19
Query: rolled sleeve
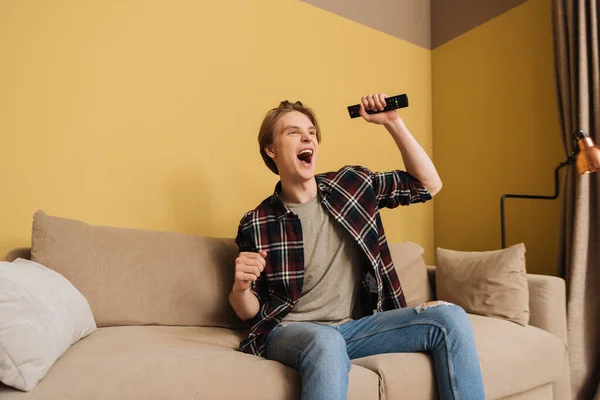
column 398, row 188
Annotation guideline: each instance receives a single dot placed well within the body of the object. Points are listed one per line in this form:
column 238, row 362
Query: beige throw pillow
column 41, row 316
column 490, row 283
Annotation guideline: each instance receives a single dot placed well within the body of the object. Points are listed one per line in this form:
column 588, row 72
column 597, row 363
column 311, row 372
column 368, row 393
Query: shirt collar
column 281, row 210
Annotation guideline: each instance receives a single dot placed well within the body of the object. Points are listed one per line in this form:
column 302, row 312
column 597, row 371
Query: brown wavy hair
column 267, row 129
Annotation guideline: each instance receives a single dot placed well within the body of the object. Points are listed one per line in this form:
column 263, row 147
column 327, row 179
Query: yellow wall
column 496, row 131
column 118, row 112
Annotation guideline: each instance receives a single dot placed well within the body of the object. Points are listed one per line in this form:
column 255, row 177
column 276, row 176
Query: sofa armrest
column 21, row 252
column 547, row 302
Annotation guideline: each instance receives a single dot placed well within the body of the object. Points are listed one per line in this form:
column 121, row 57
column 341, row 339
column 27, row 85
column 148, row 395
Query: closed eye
column 296, row 132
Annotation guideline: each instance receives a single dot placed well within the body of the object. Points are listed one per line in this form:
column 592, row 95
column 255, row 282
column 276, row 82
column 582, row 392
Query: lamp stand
column 568, row 161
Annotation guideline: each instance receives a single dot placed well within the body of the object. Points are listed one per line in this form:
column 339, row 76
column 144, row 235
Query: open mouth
column 305, row 156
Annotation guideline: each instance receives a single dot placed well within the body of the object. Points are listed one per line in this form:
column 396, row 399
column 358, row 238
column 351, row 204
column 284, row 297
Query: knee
column 326, row 340
column 451, row 316
column 327, row 343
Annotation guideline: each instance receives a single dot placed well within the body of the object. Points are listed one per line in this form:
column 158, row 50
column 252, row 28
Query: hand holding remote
column 378, row 108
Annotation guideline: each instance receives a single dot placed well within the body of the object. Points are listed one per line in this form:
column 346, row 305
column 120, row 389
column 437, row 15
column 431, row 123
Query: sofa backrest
column 140, row 277
column 412, row 272
column 143, row 277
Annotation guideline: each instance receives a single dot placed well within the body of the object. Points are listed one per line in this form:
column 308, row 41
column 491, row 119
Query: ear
column 269, row 150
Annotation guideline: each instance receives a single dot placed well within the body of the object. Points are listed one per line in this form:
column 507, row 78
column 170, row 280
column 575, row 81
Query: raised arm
column 417, row 162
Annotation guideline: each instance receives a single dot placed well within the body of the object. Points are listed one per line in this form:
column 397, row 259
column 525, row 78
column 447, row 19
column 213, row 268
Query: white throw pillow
column 41, row 315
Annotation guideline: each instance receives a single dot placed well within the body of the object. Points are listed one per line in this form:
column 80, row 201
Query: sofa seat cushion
column 159, row 362
column 513, row 359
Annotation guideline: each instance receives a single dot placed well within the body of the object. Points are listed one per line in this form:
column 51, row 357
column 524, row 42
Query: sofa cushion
column 513, row 359
column 136, row 277
column 412, row 272
column 159, row 362
column 544, row 392
column 490, row 283
column 41, row 315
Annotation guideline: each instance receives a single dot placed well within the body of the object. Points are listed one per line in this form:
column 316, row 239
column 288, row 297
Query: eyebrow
column 297, row 127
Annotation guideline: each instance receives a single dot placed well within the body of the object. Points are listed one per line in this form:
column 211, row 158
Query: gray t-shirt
column 332, row 268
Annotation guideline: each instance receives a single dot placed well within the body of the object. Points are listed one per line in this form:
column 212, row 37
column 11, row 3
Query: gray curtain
column 578, row 84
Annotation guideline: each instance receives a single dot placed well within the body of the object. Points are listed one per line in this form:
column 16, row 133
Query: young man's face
column 294, row 148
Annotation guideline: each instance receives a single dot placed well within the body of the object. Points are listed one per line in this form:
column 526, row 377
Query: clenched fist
column 248, row 267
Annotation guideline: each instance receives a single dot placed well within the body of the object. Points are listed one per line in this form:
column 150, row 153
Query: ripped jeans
column 322, row 353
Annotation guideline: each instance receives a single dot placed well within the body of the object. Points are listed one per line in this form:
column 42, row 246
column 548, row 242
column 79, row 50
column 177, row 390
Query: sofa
column 165, row 329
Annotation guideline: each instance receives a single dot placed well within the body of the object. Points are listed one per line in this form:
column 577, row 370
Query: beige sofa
column 166, row 331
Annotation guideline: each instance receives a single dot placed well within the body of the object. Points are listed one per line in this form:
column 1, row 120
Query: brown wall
column 426, row 23
column 450, row 19
column 405, row 19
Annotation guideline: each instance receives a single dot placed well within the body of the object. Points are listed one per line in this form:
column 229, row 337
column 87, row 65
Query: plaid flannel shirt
column 352, row 196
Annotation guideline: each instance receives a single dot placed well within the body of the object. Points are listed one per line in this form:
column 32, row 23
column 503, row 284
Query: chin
column 307, row 176
column 307, row 173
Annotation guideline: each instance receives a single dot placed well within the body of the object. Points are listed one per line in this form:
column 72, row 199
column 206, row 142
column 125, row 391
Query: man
column 310, row 253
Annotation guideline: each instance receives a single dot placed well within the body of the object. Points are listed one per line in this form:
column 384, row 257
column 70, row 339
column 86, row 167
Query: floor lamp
column 586, row 155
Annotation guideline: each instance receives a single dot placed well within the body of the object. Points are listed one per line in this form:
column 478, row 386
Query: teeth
column 307, row 151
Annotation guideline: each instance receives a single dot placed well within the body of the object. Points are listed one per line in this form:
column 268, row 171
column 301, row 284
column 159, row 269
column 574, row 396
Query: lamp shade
column 588, row 158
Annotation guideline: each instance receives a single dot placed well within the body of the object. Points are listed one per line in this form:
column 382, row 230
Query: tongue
column 305, row 157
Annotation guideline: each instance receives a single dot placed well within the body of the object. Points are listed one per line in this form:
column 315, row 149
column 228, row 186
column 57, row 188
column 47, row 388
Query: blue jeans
column 322, row 353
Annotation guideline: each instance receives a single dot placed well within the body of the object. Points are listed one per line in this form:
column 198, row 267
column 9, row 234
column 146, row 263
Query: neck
column 298, row 192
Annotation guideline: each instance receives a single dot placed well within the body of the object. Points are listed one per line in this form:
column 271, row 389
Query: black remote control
column 392, row 103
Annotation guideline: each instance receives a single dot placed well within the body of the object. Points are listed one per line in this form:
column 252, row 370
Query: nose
column 305, row 137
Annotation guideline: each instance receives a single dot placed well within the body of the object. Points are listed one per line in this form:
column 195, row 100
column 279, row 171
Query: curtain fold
column 578, row 88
